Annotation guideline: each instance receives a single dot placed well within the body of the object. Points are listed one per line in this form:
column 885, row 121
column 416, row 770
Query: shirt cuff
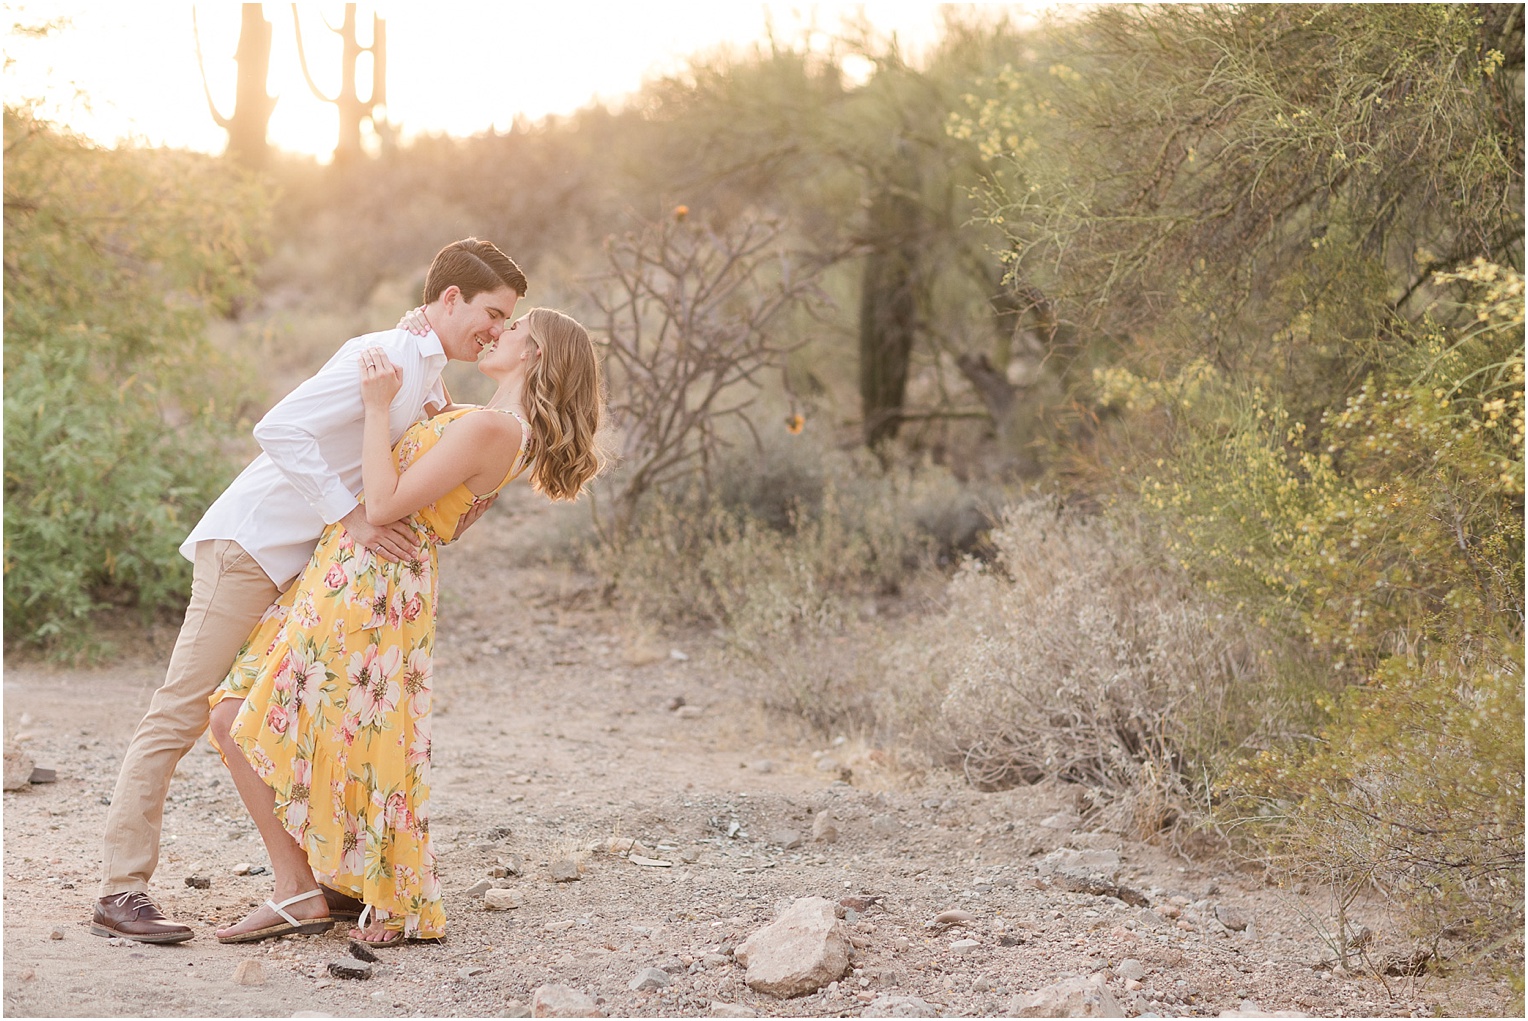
column 335, row 504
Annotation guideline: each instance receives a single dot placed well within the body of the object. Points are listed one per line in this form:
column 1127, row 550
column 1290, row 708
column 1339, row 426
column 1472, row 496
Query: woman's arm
column 477, row 450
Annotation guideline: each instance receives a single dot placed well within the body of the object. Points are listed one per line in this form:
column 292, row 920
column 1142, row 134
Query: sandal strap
column 280, row 908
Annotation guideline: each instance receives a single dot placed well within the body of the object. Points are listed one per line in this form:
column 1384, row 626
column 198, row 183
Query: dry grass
column 1077, row 655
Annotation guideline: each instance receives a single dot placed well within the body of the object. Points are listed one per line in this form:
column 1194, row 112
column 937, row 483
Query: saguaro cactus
column 889, row 299
column 252, row 107
column 352, row 109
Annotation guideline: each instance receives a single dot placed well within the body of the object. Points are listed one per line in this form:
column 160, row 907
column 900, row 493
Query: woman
column 328, row 703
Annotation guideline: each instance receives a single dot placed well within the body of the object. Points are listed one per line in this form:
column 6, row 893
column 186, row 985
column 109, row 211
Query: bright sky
column 128, row 69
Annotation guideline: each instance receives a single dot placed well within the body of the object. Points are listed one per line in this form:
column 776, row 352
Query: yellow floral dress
column 336, row 681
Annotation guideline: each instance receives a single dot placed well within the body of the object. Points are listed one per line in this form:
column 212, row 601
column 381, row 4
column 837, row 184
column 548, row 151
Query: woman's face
column 513, row 347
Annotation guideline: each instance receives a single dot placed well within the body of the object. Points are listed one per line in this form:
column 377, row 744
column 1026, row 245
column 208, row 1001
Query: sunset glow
column 129, row 71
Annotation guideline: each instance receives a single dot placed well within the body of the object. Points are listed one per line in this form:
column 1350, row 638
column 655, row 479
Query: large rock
column 1232, row 918
column 824, row 828
column 249, row 972
column 562, row 1001
column 1071, row 997
column 18, row 769
column 1095, row 872
column 649, row 979
column 800, row 952
column 502, row 900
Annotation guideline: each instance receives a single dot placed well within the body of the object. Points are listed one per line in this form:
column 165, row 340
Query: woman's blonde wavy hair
column 564, row 400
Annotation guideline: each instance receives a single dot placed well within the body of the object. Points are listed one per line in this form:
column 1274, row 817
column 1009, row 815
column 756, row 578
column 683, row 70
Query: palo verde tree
column 115, row 404
column 1249, row 172
column 1308, row 222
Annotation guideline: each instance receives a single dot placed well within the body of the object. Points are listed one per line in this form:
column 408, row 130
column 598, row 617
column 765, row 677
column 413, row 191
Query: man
column 256, row 538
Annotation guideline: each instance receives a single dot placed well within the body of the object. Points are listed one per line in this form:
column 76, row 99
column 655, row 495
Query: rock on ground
column 649, row 978
column 249, row 973
column 502, row 900
column 800, row 952
column 1232, row 918
column 1095, row 872
column 900, row 1006
column 1249, row 1008
column 18, row 770
column 824, row 828
column 1072, row 997
column 562, row 1001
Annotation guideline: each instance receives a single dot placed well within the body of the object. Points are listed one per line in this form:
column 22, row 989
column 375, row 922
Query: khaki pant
column 229, row 594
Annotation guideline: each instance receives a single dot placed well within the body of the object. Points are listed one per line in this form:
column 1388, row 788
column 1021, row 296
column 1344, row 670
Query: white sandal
column 304, row 926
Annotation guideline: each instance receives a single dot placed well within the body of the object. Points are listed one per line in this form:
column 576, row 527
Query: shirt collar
column 429, row 346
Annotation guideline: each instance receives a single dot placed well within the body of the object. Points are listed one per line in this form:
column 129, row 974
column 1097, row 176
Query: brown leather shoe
column 132, row 915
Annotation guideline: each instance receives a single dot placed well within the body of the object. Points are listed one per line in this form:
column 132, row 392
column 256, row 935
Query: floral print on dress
column 337, row 682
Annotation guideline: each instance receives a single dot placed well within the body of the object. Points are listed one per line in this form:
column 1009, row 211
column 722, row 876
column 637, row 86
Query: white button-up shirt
column 310, row 472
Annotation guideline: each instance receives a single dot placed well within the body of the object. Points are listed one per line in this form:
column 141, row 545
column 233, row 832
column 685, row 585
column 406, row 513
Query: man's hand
column 473, row 513
column 394, row 543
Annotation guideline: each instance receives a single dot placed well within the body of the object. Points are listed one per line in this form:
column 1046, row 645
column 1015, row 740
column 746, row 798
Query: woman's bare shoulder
column 486, row 426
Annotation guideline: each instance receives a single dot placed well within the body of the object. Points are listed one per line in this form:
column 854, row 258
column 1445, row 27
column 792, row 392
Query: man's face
column 468, row 325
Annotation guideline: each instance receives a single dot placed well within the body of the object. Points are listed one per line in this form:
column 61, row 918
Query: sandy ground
column 556, row 732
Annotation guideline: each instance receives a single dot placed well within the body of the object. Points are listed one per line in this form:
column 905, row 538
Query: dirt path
column 556, row 731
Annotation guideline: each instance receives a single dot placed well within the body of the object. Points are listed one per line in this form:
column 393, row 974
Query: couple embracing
column 308, row 641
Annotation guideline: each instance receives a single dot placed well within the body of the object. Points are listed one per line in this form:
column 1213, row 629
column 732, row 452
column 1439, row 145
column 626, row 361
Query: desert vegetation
column 1134, row 400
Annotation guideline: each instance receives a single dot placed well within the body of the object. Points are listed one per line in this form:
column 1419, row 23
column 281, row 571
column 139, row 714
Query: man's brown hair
column 474, row 266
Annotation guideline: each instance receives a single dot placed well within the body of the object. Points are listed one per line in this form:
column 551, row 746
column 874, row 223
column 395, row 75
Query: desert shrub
column 1414, row 792
column 1388, row 539
column 1273, row 207
column 1080, row 654
column 690, row 318
column 115, row 404
column 718, row 554
column 794, row 580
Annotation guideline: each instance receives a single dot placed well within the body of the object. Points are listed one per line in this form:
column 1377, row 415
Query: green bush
column 1389, row 540
column 115, row 404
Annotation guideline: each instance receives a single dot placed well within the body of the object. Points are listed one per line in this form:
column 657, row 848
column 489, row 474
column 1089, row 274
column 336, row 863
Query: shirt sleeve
column 327, row 402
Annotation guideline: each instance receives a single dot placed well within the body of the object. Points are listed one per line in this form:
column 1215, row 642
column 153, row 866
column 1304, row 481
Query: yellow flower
column 680, row 212
column 794, row 424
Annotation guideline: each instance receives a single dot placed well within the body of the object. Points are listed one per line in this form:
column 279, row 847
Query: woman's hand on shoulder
column 414, row 321
column 380, row 379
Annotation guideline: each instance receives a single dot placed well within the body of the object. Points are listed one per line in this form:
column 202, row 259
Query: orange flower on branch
column 680, row 212
column 794, row 424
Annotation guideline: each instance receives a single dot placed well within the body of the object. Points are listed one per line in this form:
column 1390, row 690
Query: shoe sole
column 312, row 928
column 170, row 937
column 398, row 941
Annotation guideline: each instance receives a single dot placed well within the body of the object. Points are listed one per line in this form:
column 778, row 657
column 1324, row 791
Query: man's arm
column 328, row 401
